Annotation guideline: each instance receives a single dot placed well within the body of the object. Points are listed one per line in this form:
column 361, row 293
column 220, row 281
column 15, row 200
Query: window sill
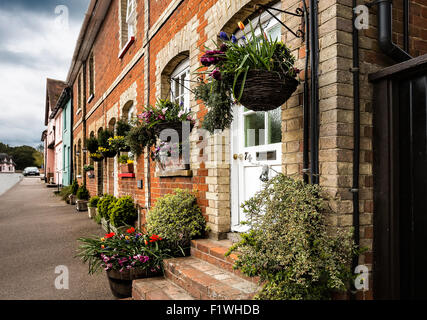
column 126, row 47
column 174, row 173
column 90, row 98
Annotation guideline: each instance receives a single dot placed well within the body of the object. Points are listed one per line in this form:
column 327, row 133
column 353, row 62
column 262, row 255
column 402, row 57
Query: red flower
column 131, row 230
column 155, row 238
column 110, row 235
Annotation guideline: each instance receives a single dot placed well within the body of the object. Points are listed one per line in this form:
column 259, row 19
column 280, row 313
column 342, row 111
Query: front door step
column 206, row 275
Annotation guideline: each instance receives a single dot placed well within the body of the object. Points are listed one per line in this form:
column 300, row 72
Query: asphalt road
column 38, row 233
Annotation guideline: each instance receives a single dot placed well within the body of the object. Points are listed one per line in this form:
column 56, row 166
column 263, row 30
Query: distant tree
column 23, row 156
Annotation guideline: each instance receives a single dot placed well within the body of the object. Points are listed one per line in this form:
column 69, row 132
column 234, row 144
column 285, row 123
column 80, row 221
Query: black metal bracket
column 299, row 12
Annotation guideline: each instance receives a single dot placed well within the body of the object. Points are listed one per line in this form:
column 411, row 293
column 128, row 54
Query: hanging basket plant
column 97, row 156
column 255, row 71
column 92, row 144
column 122, row 129
column 107, row 153
column 104, row 145
column 154, row 120
column 118, row 144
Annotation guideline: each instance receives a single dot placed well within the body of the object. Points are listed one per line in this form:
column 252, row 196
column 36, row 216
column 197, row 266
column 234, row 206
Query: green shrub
column 65, row 193
column 93, row 202
column 290, row 246
column 74, row 187
column 177, row 218
column 104, row 205
column 123, row 212
column 83, row 193
column 92, row 144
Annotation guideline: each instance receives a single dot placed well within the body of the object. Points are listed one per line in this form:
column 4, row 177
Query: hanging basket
column 109, row 154
column 97, row 159
column 125, row 149
column 177, row 126
column 266, row 90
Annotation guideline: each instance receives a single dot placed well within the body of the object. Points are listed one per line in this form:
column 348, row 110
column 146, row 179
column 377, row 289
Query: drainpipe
column 356, row 129
column 406, row 25
column 306, row 106
column 314, row 101
column 385, row 32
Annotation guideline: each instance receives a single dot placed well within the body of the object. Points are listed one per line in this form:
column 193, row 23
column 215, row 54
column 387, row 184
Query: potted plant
column 103, row 143
column 126, row 164
column 90, row 170
column 104, row 206
column 122, row 129
column 177, row 218
column 123, row 213
column 93, row 203
column 256, row 71
column 97, row 156
column 125, row 257
column 65, row 194
column 74, row 189
column 82, row 198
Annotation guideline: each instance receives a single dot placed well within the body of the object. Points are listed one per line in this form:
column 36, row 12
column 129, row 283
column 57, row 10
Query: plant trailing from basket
column 103, row 136
column 107, row 152
column 230, row 65
column 83, row 193
column 122, row 128
column 92, row 144
column 166, row 150
column 131, row 250
column 124, row 212
column 150, row 123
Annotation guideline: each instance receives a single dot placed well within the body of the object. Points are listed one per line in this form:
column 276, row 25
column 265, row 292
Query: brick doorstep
column 206, row 275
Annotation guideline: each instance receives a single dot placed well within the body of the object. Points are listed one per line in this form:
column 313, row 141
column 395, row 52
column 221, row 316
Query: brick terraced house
column 132, row 52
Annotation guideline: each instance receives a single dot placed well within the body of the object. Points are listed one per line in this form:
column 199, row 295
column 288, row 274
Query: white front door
column 256, row 142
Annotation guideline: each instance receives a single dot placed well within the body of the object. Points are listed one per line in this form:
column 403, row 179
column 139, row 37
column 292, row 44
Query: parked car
column 31, row 171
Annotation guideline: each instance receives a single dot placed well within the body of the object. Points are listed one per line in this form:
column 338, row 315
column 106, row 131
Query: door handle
column 237, row 156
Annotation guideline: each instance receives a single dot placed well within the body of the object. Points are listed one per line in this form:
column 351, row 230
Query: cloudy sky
column 37, row 41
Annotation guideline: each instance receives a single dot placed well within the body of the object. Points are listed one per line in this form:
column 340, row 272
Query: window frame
column 184, row 92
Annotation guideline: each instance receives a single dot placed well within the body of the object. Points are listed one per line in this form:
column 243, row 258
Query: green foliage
column 290, row 246
column 230, row 64
column 177, row 218
column 104, row 205
column 140, row 137
column 23, row 156
column 83, row 193
column 98, row 219
column 93, row 202
column 103, row 136
column 122, row 128
column 74, row 187
column 65, row 193
column 88, row 167
column 124, row 212
column 92, row 144
column 216, row 96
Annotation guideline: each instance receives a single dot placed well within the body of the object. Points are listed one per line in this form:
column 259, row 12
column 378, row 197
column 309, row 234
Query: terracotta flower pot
column 121, row 282
column 127, row 168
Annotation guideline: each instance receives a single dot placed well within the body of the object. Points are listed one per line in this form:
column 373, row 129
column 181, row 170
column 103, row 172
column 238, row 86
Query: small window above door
column 180, row 82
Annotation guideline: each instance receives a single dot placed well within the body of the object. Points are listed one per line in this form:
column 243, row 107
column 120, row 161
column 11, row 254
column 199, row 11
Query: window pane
column 255, row 129
column 275, row 125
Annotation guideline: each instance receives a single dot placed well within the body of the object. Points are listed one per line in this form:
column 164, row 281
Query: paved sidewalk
column 38, row 232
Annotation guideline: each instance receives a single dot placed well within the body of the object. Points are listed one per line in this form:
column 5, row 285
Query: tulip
column 241, row 25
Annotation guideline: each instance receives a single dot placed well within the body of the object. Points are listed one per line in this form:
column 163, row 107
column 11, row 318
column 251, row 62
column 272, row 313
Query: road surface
column 38, row 233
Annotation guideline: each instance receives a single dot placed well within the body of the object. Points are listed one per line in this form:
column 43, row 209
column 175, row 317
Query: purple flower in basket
column 216, row 74
column 161, row 117
column 233, row 39
column 223, row 36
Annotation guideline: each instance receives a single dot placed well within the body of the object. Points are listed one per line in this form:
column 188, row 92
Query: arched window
column 180, row 82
